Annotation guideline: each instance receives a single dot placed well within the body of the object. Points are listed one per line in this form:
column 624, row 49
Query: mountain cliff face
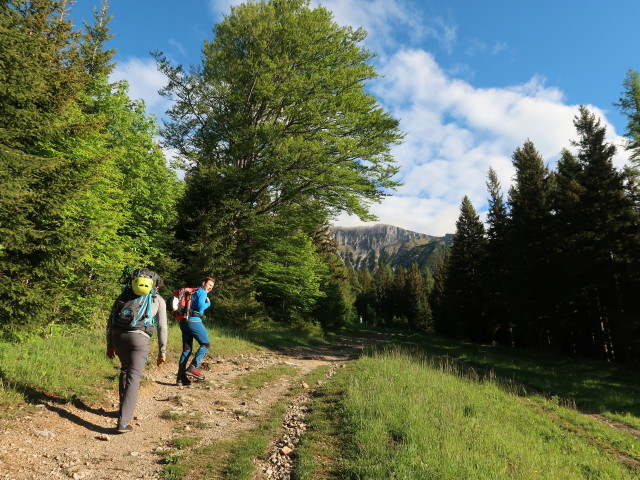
column 366, row 247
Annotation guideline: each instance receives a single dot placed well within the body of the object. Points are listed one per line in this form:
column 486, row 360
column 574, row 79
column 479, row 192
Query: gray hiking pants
column 132, row 349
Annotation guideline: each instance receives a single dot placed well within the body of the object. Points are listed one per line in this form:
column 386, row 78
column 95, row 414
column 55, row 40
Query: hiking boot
column 183, row 382
column 194, row 374
column 125, row 428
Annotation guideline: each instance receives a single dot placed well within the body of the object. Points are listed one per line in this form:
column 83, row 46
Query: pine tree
column 629, row 104
column 40, row 83
column 98, row 60
column 385, row 304
column 597, row 218
column 464, row 315
column 529, row 247
column 419, row 314
column 495, row 271
column 365, row 302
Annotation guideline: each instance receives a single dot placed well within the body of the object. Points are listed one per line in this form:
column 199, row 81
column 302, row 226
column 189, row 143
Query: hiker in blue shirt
column 192, row 328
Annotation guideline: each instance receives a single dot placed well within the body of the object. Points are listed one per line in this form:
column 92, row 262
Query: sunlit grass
column 409, row 418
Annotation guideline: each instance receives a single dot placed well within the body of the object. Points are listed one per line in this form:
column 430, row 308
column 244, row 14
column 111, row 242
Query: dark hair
column 208, row 279
column 160, row 282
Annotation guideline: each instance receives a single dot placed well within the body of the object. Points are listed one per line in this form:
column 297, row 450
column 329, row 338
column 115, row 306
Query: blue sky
column 470, row 81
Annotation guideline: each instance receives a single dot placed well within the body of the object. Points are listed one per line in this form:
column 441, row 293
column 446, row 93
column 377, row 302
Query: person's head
column 159, row 283
column 208, row 283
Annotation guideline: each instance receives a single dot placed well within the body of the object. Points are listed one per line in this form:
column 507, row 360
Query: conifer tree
column 528, row 246
column 419, row 311
column 40, row 83
column 365, row 302
column 629, row 104
column 597, row 217
column 464, row 314
column 495, row 272
column 75, row 202
column 385, row 302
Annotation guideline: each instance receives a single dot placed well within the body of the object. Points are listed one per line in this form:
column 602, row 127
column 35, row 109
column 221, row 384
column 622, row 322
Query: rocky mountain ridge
column 368, row 246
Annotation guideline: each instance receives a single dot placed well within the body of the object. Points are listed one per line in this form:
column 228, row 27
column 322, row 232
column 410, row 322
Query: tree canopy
column 278, row 135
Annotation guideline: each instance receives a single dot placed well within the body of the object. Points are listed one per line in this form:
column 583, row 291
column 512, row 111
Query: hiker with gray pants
column 129, row 339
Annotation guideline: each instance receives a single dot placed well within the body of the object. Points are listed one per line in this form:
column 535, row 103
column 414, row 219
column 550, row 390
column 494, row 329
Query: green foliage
column 289, row 274
column 559, row 268
column 278, row 135
column 84, row 187
column 629, row 104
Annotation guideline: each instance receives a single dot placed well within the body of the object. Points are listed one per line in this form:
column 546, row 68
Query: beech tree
column 275, row 123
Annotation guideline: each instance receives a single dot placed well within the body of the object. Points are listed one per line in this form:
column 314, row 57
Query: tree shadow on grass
column 55, row 404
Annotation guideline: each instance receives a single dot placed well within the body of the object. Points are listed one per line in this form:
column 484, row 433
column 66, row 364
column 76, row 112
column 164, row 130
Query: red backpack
column 181, row 302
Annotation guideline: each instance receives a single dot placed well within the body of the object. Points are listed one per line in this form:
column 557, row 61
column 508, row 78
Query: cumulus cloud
column 455, row 132
column 144, row 81
column 384, row 19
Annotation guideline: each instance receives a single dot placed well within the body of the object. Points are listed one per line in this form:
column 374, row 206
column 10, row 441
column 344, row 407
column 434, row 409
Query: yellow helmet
column 142, row 285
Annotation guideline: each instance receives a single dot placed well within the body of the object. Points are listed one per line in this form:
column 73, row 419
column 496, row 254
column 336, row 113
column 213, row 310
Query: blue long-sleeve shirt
column 199, row 301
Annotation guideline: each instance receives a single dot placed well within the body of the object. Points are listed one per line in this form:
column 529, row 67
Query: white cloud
column 144, row 81
column 455, row 132
column 220, row 8
column 384, row 19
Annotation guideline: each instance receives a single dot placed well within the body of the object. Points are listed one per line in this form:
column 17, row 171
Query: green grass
column 59, row 369
column 319, row 455
column 406, row 417
column 593, row 386
column 182, row 443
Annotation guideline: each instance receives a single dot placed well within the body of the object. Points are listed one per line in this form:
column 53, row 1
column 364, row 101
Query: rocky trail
column 64, row 440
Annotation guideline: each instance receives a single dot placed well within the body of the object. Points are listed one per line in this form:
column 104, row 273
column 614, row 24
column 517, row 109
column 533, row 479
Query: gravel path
column 62, row 441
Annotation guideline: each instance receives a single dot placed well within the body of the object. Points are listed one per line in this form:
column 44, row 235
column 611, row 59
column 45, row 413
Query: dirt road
column 62, row 441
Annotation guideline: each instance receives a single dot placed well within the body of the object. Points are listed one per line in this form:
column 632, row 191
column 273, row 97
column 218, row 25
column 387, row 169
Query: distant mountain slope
column 367, row 246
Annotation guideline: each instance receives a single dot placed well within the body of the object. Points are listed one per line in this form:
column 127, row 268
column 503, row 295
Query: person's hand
column 160, row 360
column 111, row 353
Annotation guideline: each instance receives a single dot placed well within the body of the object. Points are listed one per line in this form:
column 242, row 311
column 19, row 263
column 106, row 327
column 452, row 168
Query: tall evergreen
column 464, row 315
column 629, row 104
column 84, row 189
column 365, row 302
column 495, row 273
column 529, row 247
column 385, row 295
column 419, row 311
column 597, row 218
column 40, row 82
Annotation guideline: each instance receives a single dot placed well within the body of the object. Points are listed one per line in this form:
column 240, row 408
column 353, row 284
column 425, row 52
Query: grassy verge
column 592, row 386
column 395, row 415
column 320, row 454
